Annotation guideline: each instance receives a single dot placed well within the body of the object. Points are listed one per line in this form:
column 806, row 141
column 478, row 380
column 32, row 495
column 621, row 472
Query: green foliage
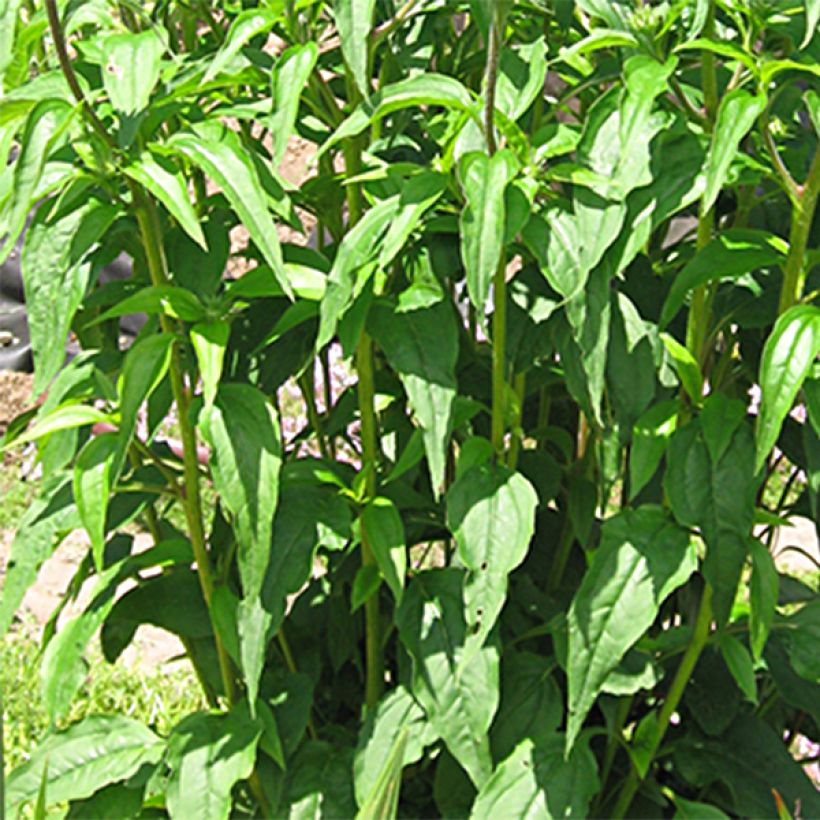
column 519, row 562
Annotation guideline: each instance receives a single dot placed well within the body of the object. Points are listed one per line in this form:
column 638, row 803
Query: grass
column 157, row 697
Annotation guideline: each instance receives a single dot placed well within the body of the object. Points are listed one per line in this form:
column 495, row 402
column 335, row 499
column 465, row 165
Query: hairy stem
column 700, row 637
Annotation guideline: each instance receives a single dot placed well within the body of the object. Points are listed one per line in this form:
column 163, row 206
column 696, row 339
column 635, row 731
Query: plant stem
column 794, row 273
column 700, row 637
column 708, row 73
column 499, row 380
column 613, row 742
column 309, row 393
column 151, row 235
column 520, row 385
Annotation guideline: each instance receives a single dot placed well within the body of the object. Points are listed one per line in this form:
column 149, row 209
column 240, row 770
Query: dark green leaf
column 650, row 437
column 422, row 347
column 245, row 27
column 763, row 593
column 740, row 664
column 730, row 255
column 383, row 530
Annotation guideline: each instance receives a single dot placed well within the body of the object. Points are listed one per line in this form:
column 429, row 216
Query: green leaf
column 208, row 755
column 99, row 750
column 395, row 714
column 210, row 340
column 788, row 357
column 384, row 532
column 719, row 419
column 168, row 185
column 366, row 584
column 245, row 27
column 168, row 300
column 146, row 364
column 764, row 588
column 131, row 67
column 354, row 19
column 9, row 11
column 730, row 255
column 459, row 693
column 537, row 781
column 692, row 810
column 650, row 435
column 243, row 432
column 643, row 557
column 812, row 16
column 292, row 71
column 736, row 115
column 553, row 239
column 219, row 152
column 418, row 194
column 740, row 664
column 92, row 487
column 521, row 75
column 749, row 760
column 491, row 513
column 56, row 277
column 532, row 705
column 319, row 782
column 354, row 262
column 483, row 180
column 686, row 367
column 422, row 347
column 45, row 127
column 68, row 417
column 48, row 519
column 383, row 800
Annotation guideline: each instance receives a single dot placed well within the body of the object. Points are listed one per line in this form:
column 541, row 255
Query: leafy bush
column 522, row 564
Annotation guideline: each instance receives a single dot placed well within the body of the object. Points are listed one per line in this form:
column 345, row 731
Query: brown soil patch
column 15, row 396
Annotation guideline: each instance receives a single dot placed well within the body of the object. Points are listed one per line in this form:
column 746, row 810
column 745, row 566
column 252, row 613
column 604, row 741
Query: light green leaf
column 210, row 340
column 92, row 487
column 48, row 519
column 383, row 800
column 812, row 16
column 724, row 48
column 9, row 10
column 168, row 300
column 643, row 557
column 731, row 254
column 491, row 513
column 740, row 664
column 384, row 533
column 650, row 436
column 67, row 417
column 56, row 276
column 290, row 75
column 422, row 347
column 458, row 693
column 146, row 364
column 418, row 194
column 396, row 712
column 45, row 127
column 685, row 366
column 354, row 19
column 788, row 357
column 208, row 755
column 483, row 180
column 99, row 750
column 131, row 67
column 357, row 253
column 219, row 152
column 521, row 76
column 165, row 182
column 554, row 241
column 537, row 781
column 736, row 115
column 243, row 432
column 764, row 588
column 247, row 25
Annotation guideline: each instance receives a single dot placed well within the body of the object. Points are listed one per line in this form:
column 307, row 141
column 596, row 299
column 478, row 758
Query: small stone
column 6, row 338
